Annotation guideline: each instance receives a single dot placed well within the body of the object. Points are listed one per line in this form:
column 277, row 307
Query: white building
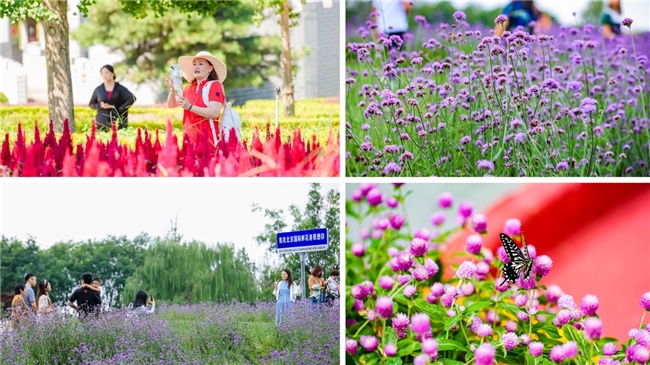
column 23, row 72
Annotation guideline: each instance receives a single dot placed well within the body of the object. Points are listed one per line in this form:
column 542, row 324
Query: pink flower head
column 438, row 218
column 512, row 227
column 409, row 290
column 553, row 293
column 360, row 291
column 386, row 282
column 484, row 330
column 536, row 348
column 523, row 316
column 643, row 338
column 593, row 328
column 384, row 306
column 390, row 349
column 511, row 326
column 520, row 299
column 542, row 265
column 392, row 202
column 400, row 322
column 445, row 200
column 423, row 233
column 431, row 266
column 420, row 323
column 492, row 316
column 467, row 289
column 419, row 247
column 404, row 260
column 430, row 347
column 566, row 301
column 484, row 354
column 459, row 15
column 351, row 346
column 420, row 273
column 437, row 289
column 479, row 223
column 500, row 19
column 372, row 315
column 645, row 301
column 374, row 197
column 421, row 359
column 527, row 283
column 501, row 285
column 394, row 264
column 525, row 339
column 609, row 349
column 465, row 209
column 396, row 221
column 637, row 353
column 557, row 354
column 369, row 343
column 570, row 349
column 475, row 322
column 473, row 244
column 482, row 269
column 503, row 256
column 510, row 340
column 358, row 305
column 466, row 270
column 589, row 304
column 366, row 187
column 358, row 249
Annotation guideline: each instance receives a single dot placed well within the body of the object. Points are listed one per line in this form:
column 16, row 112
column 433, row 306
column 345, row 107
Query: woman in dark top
column 111, row 100
column 519, row 13
column 611, row 19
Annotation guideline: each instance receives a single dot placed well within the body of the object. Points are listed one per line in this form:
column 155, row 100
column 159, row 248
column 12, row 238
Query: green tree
column 320, row 211
column 54, row 15
column 151, row 44
column 16, row 260
column 192, row 272
column 591, row 14
column 268, row 274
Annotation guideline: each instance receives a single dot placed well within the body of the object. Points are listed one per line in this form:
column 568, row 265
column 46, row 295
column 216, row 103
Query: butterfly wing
column 510, row 273
column 518, row 261
column 528, row 261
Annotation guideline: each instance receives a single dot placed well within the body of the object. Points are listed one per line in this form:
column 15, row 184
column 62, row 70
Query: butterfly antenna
column 504, row 280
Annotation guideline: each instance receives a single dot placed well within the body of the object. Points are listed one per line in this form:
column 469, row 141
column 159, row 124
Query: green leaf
column 349, row 210
column 451, row 321
column 445, row 344
column 394, row 361
column 451, row 362
column 407, row 347
column 478, row 306
column 349, row 360
column 389, row 336
column 435, row 312
column 513, row 309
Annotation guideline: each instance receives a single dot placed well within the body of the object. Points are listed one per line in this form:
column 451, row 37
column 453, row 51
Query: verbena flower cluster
column 181, row 334
column 58, row 156
column 462, row 102
column 403, row 310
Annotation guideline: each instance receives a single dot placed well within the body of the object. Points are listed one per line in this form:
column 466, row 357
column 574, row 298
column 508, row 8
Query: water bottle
column 177, row 79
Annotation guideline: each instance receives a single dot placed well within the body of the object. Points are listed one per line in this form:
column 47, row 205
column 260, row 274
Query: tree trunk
column 287, row 82
column 57, row 59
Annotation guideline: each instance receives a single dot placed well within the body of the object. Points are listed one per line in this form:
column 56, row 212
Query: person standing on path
column 286, row 292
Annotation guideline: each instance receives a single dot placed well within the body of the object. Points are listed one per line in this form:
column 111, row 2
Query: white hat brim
column 185, row 63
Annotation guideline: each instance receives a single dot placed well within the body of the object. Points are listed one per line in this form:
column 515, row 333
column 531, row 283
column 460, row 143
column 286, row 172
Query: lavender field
column 181, row 334
column 455, row 100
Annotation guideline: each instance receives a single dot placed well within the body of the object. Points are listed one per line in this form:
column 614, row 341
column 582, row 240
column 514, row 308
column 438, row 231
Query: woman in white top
column 285, row 292
column 43, row 300
column 140, row 305
column 391, row 17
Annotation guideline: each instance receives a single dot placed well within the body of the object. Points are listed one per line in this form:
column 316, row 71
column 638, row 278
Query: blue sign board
column 302, row 241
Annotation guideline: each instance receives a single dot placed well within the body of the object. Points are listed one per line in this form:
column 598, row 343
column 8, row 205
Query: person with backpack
column 611, row 19
column 519, row 13
column 203, row 99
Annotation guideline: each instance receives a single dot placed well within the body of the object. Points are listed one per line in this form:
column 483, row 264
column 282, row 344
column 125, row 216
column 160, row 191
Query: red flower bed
column 58, row 157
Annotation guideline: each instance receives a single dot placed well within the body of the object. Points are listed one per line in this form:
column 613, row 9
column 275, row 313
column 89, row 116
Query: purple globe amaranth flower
column 430, row 347
column 392, row 251
column 421, row 359
column 511, row 326
column 431, row 266
column 512, row 227
column 403, row 279
column 437, row 289
column 542, row 265
column 570, row 349
column 484, row 354
column 466, row 270
column 400, row 322
column 357, row 195
column 358, row 249
column 467, row 289
column 447, row 300
column 492, row 316
column 420, row 323
column 521, row 300
column 445, row 200
column 409, row 290
column 563, row 316
column 609, row 349
column 501, row 285
column 351, row 346
column 475, row 322
column 394, row 264
column 374, row 197
column 566, row 301
column 422, row 233
column 419, row 247
column 593, row 328
column 525, row 339
column 502, row 255
column 390, row 349
column 528, row 283
column 643, row 338
column 404, row 260
column 360, row 291
column 484, row 330
column 557, row 354
column 637, row 353
column 369, row 343
column 474, row 243
column 535, row 348
column 438, row 218
column 607, row 361
column 396, row 221
column 500, row 19
column 386, row 282
column 465, row 209
column 358, row 305
column 510, row 340
column 553, row 293
column 366, row 187
column 392, row 202
column 420, row 273
column 384, row 306
column 369, row 285
column 482, row 269
column 523, row 316
column 589, row 304
column 372, row 315
column 627, row 22
column 645, row 301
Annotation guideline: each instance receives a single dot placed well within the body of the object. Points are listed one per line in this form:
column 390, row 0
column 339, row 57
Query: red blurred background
column 598, row 236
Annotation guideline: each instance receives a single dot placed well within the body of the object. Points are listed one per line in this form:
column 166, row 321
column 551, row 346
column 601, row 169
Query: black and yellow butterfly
column 519, row 262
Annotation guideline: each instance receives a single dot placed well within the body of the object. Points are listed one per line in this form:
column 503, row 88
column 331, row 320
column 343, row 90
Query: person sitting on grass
column 140, row 305
column 88, row 301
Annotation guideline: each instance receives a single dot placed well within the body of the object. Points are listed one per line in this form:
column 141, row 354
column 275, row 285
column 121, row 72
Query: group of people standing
column 286, row 291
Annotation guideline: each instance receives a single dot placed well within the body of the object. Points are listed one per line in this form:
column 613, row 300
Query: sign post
column 302, row 242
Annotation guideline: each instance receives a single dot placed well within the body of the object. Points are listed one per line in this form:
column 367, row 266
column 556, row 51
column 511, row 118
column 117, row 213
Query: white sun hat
column 185, row 63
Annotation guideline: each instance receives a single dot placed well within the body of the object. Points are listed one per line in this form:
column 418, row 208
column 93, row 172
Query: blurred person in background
column 111, row 100
column 523, row 13
column 140, row 305
column 30, row 298
column 87, row 301
column 611, row 19
column 45, row 305
column 286, row 292
column 316, row 285
column 391, row 18
column 19, row 309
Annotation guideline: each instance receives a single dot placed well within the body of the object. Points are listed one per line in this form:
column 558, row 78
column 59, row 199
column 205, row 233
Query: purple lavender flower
column 358, row 249
column 589, row 304
column 374, row 197
column 485, row 165
column 609, row 349
column 466, row 270
column 593, row 328
column 420, row 323
column 484, row 354
column 645, row 301
column 390, row 349
column 510, row 340
column 386, row 282
column 369, row 343
column 430, row 347
column 351, row 346
column 627, row 22
column 474, row 243
column 535, row 348
column 419, row 247
column 445, row 200
column 542, row 265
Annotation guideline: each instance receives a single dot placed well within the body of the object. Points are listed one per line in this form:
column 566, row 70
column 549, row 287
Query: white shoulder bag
column 229, row 118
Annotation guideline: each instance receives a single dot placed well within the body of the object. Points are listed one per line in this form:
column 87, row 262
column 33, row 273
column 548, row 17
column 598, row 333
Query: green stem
column 642, row 318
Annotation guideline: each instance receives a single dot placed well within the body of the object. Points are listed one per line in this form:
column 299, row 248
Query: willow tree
column 193, row 272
